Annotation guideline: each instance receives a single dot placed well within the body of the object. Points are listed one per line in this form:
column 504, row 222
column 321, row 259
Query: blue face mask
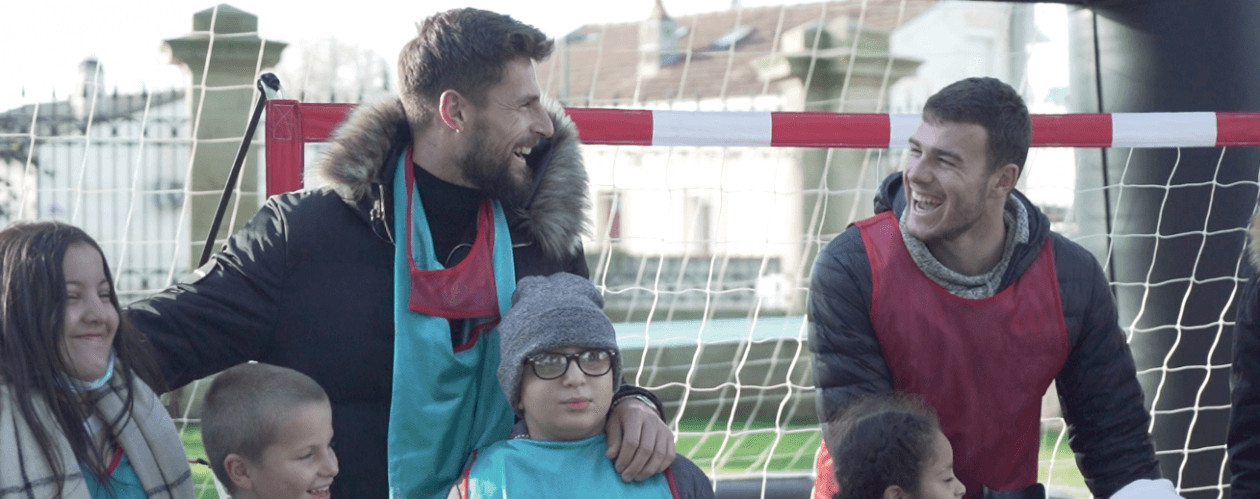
column 78, row 386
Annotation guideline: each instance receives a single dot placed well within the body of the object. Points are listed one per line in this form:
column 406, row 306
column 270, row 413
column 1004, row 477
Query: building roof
column 704, row 70
column 58, row 117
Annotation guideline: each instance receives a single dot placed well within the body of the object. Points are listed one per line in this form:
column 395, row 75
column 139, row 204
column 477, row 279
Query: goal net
column 725, row 149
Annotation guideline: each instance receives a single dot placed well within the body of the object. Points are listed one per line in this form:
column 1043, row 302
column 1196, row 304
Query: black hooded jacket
column 1098, row 389
column 308, row 282
column 1244, row 415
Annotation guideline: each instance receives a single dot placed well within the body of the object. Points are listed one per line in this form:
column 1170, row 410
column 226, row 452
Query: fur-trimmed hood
column 360, row 166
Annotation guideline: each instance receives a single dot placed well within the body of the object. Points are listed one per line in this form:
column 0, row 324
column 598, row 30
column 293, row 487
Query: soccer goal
column 702, row 249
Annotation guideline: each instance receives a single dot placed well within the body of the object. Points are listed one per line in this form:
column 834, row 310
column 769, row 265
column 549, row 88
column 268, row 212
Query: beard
column 492, row 174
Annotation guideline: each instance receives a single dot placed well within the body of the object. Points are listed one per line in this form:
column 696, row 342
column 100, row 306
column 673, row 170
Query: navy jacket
column 1098, row 389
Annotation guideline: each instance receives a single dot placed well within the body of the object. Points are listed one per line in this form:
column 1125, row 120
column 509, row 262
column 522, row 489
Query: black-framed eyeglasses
column 594, row 362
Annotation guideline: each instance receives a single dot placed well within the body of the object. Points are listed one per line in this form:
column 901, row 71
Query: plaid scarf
column 148, row 438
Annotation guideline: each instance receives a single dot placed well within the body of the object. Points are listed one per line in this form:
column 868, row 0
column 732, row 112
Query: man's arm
column 639, row 442
column 1098, row 388
column 222, row 315
column 847, row 359
column 848, row 362
column 1244, row 414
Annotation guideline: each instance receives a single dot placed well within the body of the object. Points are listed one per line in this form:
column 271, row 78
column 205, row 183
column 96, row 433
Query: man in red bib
column 957, row 290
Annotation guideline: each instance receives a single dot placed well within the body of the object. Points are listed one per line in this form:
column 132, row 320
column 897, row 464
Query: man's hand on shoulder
column 638, row 440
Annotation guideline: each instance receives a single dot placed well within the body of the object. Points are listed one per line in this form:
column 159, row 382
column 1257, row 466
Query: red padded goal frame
column 291, row 125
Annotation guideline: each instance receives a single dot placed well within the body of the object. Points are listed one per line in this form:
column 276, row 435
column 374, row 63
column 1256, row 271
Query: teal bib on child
column 446, row 400
column 123, row 483
column 523, row 467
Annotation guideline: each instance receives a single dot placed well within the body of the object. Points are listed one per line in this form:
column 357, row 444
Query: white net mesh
column 704, row 252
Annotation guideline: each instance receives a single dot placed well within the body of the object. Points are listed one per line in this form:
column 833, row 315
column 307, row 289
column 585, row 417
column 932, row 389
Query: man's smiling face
column 947, row 180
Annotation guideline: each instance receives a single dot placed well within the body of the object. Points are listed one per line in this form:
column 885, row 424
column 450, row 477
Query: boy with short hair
column 268, row 433
column 559, row 366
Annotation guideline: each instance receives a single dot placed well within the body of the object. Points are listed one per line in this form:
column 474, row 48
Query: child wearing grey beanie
column 549, row 313
column 559, row 366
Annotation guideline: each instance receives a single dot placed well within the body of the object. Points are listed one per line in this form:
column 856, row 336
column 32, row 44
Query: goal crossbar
column 292, row 124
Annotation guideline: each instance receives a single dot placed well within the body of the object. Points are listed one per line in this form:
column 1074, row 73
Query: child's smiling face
column 300, row 462
column 91, row 321
column 938, row 480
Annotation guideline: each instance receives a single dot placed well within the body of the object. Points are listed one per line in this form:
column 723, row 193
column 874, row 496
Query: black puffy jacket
column 1098, row 389
column 308, row 283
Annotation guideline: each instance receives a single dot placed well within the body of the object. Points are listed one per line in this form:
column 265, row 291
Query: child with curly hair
column 890, row 446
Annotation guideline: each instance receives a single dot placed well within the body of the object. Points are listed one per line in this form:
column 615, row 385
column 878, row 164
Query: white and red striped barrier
column 291, row 125
column 882, row 131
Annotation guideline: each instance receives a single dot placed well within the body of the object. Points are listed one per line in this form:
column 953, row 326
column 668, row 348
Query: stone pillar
column 844, row 74
column 221, row 56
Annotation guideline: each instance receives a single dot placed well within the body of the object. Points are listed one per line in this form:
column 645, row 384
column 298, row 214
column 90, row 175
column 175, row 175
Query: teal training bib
column 123, row 483
column 445, row 401
column 523, row 468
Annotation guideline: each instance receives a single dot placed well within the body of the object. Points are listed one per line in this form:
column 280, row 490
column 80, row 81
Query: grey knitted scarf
column 1014, row 216
column 148, row 437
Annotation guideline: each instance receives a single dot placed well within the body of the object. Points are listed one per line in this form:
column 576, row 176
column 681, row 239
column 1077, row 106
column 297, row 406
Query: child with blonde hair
column 268, row 433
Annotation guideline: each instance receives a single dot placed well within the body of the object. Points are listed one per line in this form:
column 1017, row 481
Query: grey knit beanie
column 548, row 313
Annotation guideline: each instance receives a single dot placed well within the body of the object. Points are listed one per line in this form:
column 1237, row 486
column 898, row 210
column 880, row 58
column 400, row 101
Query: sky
column 42, row 42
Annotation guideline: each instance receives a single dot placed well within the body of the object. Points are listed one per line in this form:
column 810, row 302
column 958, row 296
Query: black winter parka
column 308, row 282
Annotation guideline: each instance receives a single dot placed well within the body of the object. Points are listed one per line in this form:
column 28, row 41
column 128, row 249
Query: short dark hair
column 464, row 50
column 245, row 407
column 32, row 328
column 881, row 440
column 992, row 104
